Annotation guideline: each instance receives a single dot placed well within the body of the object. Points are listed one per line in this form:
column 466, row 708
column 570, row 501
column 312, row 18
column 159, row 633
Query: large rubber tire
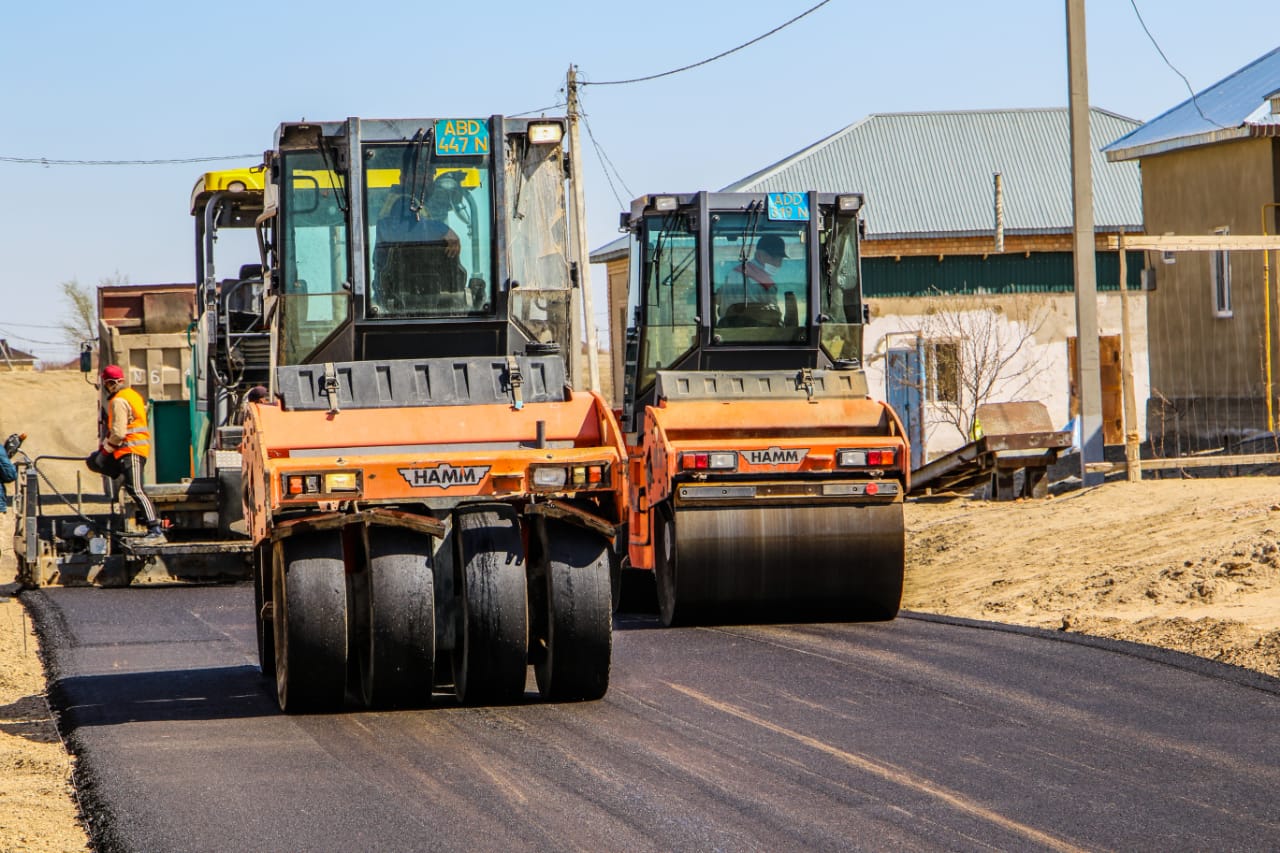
column 574, row 665
column 263, row 572
column 399, row 655
column 490, row 662
column 666, row 565
column 310, row 594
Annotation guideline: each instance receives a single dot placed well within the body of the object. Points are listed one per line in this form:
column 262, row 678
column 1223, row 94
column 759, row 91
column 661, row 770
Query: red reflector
column 873, row 489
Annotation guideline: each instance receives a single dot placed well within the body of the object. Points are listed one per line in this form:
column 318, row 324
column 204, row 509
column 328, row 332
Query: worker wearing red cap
column 127, row 445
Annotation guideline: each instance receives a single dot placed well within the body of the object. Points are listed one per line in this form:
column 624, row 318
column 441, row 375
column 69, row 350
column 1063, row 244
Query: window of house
column 1220, row 279
column 942, row 371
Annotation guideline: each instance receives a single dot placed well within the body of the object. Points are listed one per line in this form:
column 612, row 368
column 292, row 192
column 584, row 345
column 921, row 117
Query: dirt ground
column 1190, row 565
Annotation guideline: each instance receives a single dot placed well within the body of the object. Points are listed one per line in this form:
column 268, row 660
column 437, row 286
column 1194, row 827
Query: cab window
column 759, row 279
column 668, row 286
column 314, row 274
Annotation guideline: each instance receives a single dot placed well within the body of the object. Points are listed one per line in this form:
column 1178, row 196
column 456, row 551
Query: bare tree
column 980, row 350
column 81, row 320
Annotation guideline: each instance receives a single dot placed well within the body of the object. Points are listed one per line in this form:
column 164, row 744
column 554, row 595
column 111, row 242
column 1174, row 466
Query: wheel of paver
column 666, row 564
column 262, row 578
column 400, row 653
column 579, row 635
column 490, row 659
column 310, row 619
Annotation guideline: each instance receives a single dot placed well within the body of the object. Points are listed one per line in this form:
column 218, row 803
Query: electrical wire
column 29, row 325
column 17, row 337
column 47, row 161
column 1194, row 102
column 538, row 110
column 709, row 60
column 606, row 164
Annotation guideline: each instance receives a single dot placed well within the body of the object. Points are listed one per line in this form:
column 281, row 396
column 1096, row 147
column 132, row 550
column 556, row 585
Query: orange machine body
column 785, row 449
column 421, row 454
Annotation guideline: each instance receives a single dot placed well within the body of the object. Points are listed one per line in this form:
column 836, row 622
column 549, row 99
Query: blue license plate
column 462, row 137
column 789, row 207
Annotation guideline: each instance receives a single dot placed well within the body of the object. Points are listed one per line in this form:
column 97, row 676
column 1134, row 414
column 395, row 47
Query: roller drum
column 837, row 562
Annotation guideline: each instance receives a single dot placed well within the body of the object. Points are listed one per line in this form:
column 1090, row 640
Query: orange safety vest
column 137, row 438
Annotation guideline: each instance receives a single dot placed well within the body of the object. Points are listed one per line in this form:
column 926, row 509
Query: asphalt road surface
column 919, row 734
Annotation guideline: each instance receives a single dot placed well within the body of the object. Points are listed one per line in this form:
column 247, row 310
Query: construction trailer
column 432, row 505
column 764, row 482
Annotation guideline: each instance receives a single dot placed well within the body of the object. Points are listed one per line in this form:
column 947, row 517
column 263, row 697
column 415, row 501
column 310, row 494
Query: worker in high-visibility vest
column 127, row 445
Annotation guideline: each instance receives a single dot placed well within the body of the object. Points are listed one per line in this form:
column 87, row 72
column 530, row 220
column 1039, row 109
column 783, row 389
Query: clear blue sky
column 133, row 80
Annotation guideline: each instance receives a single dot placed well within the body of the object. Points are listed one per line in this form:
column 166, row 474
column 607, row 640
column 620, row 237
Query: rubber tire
column 263, row 571
column 310, row 593
column 491, row 658
column 579, row 623
column 400, row 651
column 666, row 565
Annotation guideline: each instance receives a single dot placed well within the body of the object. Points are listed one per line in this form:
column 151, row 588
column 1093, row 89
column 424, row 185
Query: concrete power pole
column 580, row 233
column 1087, row 361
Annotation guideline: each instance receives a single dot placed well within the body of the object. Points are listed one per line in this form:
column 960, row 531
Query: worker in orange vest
column 126, row 447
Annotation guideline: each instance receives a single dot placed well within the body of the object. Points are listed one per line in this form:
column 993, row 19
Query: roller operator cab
column 764, row 481
column 432, row 505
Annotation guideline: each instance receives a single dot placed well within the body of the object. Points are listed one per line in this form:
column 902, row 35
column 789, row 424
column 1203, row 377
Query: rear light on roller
column 346, row 483
column 592, row 475
column 715, row 460
column 875, row 458
column 550, row 478
column 586, row 476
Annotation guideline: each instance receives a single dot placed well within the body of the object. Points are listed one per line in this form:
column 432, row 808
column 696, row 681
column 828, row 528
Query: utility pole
column 578, row 206
column 1086, row 279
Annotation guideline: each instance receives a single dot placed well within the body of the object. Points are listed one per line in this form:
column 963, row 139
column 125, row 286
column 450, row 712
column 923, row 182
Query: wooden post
column 1132, row 454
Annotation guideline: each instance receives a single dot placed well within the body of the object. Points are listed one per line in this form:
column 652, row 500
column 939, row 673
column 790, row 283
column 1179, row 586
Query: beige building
column 1211, row 165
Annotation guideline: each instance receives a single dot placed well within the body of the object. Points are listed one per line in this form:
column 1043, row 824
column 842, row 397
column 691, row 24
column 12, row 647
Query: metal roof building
column 929, row 175
column 1236, row 107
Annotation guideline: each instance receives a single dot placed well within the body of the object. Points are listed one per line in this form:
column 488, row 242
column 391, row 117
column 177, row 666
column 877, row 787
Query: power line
column 1194, row 102
column 26, row 340
column 29, row 325
column 606, row 164
column 46, row 161
column 781, row 26
column 538, row 110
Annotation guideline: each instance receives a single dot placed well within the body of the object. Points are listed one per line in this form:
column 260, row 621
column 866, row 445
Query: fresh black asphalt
column 916, row 734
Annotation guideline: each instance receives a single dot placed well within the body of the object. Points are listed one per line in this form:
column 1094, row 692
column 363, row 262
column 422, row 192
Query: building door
column 903, row 378
column 1110, row 380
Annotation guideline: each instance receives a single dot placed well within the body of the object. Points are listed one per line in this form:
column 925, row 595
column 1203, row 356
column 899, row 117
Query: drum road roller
column 764, row 482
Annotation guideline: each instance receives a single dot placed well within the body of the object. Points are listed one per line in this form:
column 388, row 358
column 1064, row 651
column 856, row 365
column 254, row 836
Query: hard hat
column 112, row 371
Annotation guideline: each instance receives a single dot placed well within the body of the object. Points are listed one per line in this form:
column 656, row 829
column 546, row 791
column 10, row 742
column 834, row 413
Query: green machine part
column 171, row 440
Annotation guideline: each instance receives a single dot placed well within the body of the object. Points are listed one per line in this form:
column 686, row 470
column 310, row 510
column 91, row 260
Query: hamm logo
column 444, row 475
column 775, row 456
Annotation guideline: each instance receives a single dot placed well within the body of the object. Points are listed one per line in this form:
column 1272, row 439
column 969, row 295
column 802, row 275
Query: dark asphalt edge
column 1238, row 675
column 98, row 819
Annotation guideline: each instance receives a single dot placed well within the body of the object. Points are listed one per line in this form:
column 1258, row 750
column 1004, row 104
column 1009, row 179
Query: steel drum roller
column 836, row 562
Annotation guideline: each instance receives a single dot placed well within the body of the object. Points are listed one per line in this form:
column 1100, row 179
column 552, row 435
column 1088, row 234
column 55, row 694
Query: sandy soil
column 38, row 810
column 1190, row 565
